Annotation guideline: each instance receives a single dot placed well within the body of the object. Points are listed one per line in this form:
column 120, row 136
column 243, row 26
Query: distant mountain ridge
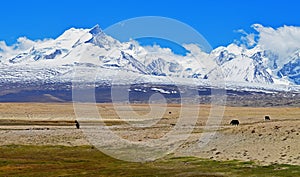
column 55, row 60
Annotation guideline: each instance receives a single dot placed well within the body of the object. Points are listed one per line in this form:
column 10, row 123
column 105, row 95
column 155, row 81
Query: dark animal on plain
column 234, row 122
column 170, row 112
column 77, row 124
column 267, row 118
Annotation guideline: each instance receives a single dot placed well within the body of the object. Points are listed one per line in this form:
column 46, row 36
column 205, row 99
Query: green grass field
column 16, row 160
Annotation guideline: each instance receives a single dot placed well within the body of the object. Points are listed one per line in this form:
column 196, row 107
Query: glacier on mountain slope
column 90, row 51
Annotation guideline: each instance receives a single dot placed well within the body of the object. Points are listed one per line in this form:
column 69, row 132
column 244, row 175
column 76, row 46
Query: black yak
column 267, row 118
column 77, row 124
column 234, row 122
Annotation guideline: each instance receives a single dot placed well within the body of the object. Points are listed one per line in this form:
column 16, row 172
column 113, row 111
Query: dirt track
column 274, row 141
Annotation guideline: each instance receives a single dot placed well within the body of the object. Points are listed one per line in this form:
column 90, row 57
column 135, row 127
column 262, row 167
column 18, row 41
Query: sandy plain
column 265, row 142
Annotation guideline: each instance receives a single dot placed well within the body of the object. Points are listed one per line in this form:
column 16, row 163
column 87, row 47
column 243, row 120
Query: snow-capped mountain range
column 90, row 54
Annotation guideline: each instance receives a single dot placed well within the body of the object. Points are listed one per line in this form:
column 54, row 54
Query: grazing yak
column 234, row 122
column 267, row 118
column 77, row 124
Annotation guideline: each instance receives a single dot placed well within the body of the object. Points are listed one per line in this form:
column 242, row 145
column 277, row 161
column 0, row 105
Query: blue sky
column 216, row 20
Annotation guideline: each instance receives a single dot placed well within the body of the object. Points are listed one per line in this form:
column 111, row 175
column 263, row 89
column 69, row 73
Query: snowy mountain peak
column 96, row 30
column 291, row 70
column 69, row 37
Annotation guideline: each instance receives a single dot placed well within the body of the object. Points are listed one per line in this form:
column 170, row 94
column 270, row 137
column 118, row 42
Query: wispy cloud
column 248, row 39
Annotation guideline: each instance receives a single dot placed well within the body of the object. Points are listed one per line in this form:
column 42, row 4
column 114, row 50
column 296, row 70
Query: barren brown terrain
column 265, row 142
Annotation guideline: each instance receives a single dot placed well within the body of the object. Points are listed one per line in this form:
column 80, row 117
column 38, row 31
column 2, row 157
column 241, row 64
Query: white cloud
column 6, row 51
column 158, row 49
column 195, row 51
column 193, row 48
column 4, row 47
column 283, row 40
column 22, row 45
